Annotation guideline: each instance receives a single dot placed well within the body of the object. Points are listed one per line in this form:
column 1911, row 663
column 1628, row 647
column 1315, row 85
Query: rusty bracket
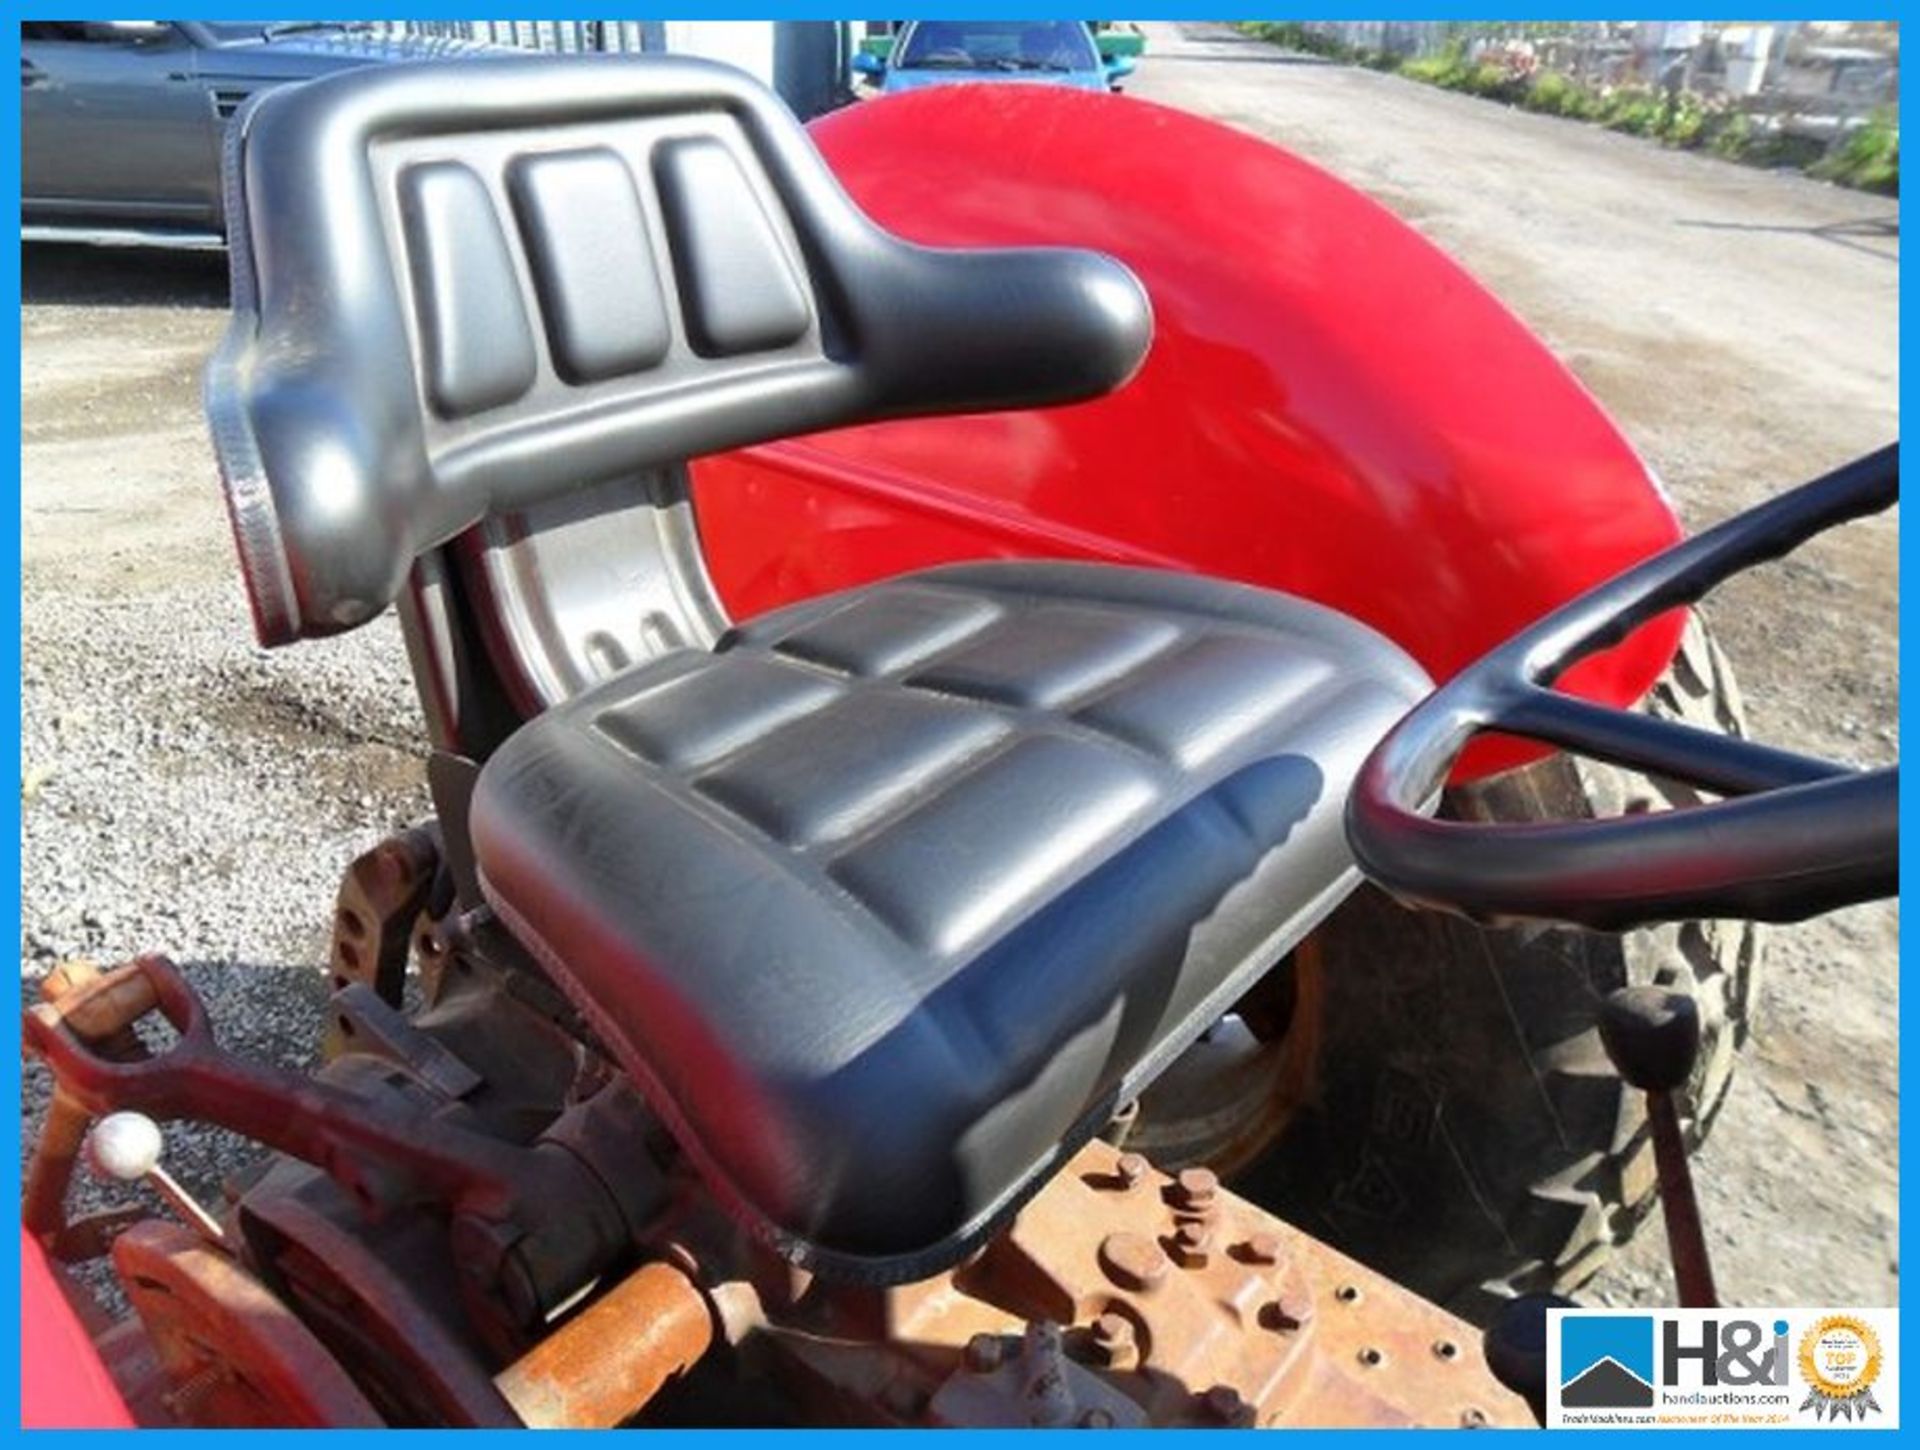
column 381, row 896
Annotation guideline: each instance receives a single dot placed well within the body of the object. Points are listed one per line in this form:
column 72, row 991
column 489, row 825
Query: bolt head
column 1097, row 1419
column 1263, row 1249
column 1192, row 1244
column 1132, row 1168
column 1111, row 1342
column 125, row 1146
column 1133, row 1261
column 1195, row 1187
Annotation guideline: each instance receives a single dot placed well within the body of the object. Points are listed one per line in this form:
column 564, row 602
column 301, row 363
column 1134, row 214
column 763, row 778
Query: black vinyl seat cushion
column 892, row 898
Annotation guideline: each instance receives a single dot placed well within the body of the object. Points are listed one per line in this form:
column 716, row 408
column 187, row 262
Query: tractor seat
column 891, row 899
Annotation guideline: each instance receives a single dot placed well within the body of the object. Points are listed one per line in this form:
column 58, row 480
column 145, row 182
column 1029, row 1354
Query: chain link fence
column 805, row 61
column 565, row 37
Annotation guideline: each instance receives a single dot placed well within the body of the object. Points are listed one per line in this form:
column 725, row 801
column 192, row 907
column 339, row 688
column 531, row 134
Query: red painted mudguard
column 63, row 1384
column 1331, row 406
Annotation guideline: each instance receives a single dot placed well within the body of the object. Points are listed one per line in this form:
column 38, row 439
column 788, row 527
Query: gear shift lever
column 126, row 1147
column 1653, row 1036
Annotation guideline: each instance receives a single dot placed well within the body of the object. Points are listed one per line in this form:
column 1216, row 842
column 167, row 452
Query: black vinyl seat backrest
column 461, row 289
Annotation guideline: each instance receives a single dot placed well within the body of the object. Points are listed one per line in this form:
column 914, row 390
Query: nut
column 1263, row 1248
column 1133, row 1261
column 1112, row 1342
column 1195, row 1188
column 1192, row 1245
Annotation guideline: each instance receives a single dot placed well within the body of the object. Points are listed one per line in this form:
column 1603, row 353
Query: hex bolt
column 1113, row 1343
column 1652, row 1036
column 1133, row 1261
column 985, row 1352
column 1263, row 1248
column 1132, row 1169
column 1195, row 1188
column 1192, row 1245
column 126, row 1147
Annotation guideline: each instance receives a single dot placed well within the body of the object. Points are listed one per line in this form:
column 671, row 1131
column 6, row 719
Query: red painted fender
column 63, row 1384
column 1331, row 406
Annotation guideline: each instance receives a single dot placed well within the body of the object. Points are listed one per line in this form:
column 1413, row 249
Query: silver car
column 121, row 120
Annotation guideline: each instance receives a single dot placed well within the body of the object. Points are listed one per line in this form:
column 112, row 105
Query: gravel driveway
column 186, row 791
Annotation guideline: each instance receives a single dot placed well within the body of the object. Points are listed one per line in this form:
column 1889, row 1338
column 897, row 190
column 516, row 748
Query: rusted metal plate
column 1193, row 1304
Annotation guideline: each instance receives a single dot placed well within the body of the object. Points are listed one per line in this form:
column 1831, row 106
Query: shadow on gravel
column 1855, row 236
column 57, row 274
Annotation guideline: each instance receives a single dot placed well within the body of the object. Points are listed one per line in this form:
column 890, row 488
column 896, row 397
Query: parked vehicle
column 121, row 121
column 886, row 872
column 941, row 52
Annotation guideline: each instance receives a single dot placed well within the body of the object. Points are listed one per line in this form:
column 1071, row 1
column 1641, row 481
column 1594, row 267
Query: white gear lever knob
column 126, row 1146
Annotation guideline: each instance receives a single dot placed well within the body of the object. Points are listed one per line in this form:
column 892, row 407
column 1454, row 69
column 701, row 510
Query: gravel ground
column 185, row 791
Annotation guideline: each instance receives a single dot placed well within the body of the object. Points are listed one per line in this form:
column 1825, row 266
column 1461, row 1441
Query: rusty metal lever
column 534, row 1223
column 379, row 1155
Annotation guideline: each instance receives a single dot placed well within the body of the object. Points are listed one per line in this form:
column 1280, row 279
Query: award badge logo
column 1840, row 1359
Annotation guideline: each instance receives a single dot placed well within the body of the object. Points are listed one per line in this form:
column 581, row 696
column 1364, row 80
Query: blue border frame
column 765, row 9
